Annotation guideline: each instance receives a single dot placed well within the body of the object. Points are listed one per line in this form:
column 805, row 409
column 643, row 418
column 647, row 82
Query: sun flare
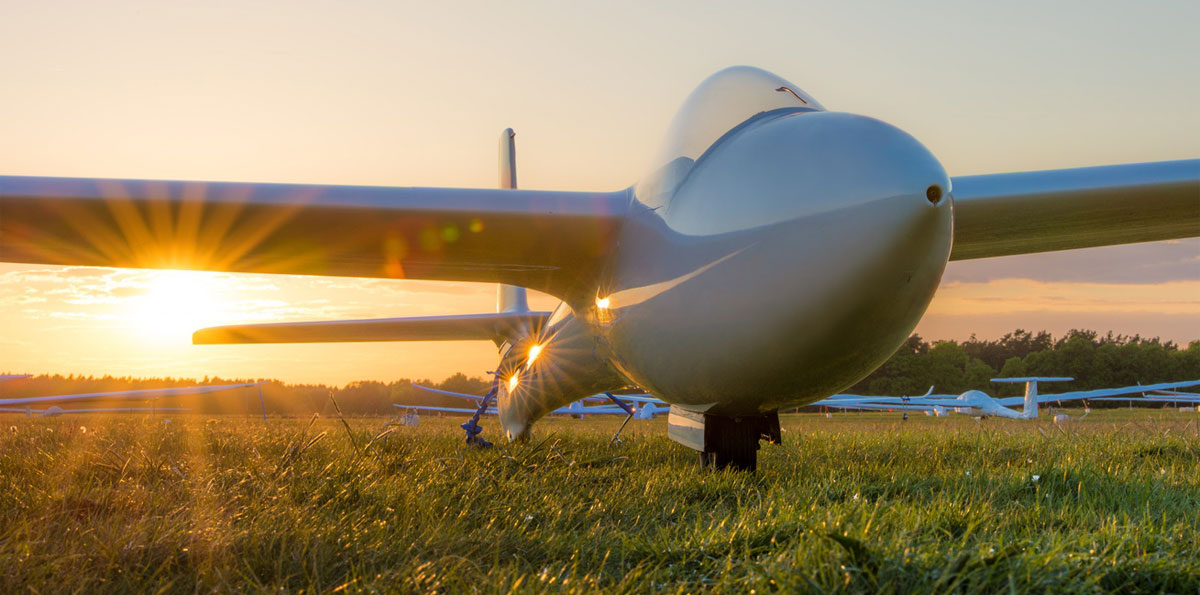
column 176, row 303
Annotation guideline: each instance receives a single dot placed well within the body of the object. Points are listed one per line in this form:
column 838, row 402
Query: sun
column 176, row 303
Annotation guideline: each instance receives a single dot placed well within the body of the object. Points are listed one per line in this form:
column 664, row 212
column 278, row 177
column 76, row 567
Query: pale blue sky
column 416, row 94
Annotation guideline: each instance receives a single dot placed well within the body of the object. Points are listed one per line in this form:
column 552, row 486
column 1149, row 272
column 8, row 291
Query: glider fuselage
column 783, row 263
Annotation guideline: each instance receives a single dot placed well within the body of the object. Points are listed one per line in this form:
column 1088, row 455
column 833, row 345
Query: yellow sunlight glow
column 512, row 382
column 176, row 303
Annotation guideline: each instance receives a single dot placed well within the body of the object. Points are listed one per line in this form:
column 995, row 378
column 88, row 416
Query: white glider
column 980, row 404
column 775, row 253
column 647, row 406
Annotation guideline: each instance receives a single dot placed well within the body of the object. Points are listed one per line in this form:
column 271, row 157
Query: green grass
column 853, row 503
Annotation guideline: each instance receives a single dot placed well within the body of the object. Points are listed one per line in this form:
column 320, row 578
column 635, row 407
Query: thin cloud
column 1154, row 262
column 1015, row 296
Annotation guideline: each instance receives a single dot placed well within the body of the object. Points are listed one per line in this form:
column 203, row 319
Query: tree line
column 950, row 367
column 1093, row 360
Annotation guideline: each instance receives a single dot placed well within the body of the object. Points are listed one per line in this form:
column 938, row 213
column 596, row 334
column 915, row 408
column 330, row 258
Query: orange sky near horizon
column 398, row 94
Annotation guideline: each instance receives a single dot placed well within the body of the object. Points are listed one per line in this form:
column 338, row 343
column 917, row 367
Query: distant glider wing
column 449, row 393
column 1100, row 393
column 151, row 394
column 1172, row 393
column 442, row 409
column 590, row 410
column 868, row 406
column 550, row 241
column 427, row 328
column 1042, row 211
column 1170, row 399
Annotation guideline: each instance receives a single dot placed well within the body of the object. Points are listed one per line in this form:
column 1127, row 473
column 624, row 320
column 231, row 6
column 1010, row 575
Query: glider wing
column 1042, row 211
column 548, row 241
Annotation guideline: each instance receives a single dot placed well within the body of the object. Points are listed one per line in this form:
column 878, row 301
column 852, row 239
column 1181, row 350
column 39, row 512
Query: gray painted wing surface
column 1042, row 211
column 426, row 328
column 541, row 240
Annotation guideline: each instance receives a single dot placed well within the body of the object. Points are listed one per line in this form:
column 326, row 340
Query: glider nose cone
column 804, row 167
column 821, row 238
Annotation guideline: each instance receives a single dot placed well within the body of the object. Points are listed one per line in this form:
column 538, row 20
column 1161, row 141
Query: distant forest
column 1095, row 361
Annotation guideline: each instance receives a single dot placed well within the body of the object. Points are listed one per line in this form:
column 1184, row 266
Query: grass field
column 853, row 503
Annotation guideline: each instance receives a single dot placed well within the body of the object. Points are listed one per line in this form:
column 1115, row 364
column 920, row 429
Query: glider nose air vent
column 934, row 194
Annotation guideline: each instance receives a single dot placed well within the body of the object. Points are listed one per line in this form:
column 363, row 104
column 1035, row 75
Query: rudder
column 509, row 298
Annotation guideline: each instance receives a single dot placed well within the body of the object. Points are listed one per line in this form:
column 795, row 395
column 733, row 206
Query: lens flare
column 175, row 303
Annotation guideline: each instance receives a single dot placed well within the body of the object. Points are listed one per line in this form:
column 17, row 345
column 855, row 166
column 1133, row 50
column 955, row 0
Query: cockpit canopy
column 721, row 103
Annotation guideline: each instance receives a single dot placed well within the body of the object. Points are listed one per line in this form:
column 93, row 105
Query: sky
column 416, row 94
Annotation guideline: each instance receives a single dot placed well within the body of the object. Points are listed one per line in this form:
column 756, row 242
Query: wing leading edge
column 1042, row 211
column 541, row 240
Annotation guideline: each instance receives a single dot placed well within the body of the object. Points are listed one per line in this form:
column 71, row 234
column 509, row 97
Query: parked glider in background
column 574, row 409
column 644, row 407
column 865, row 403
column 148, row 395
column 776, row 253
column 979, row 404
column 642, row 398
column 4, row 377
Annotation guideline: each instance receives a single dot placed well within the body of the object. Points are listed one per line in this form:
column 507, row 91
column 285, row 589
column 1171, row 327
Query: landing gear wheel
column 741, row 459
column 724, row 442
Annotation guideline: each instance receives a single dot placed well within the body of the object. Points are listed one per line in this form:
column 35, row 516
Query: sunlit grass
column 857, row 502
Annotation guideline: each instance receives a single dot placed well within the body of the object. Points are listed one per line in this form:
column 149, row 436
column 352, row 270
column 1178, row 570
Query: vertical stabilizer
column 1031, row 391
column 1031, row 400
column 508, row 159
column 509, row 298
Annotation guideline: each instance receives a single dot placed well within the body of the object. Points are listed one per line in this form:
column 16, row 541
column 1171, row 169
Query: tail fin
column 1031, row 391
column 509, row 298
column 508, row 159
column 1031, row 400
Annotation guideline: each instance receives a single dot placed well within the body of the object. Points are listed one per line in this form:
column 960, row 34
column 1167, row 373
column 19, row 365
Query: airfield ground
column 860, row 502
